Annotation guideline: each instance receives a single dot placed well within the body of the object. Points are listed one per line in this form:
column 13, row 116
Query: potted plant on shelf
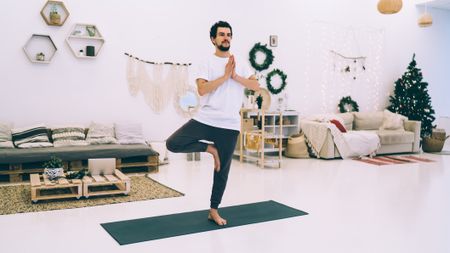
column 53, row 168
column 55, row 18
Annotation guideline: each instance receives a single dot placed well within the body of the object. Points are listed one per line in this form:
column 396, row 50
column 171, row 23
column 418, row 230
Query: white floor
column 352, row 206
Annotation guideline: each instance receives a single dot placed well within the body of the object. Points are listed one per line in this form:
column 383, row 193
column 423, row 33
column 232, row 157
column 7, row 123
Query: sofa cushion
column 129, row 133
column 36, row 133
column 5, row 136
column 101, row 134
column 392, row 121
column 367, row 120
column 68, row 136
column 395, row 136
column 348, row 120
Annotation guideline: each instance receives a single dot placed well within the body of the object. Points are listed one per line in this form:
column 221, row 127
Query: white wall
column 79, row 90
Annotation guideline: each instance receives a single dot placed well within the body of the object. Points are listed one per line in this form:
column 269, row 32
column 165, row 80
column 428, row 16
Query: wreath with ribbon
column 282, row 76
column 267, row 60
column 347, row 104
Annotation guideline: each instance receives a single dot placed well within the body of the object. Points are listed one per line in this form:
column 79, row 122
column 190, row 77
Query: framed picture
column 273, row 40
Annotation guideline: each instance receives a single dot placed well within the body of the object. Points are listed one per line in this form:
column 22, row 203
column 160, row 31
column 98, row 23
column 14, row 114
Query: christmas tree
column 412, row 100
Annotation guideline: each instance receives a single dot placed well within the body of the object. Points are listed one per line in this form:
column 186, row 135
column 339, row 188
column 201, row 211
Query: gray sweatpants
column 186, row 140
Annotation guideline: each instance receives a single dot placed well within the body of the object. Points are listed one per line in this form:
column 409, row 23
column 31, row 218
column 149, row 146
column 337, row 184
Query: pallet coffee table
column 102, row 184
column 57, row 189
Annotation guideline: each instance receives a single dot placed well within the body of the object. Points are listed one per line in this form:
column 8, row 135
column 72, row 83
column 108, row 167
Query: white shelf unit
column 82, row 36
column 40, row 44
column 265, row 146
column 60, row 15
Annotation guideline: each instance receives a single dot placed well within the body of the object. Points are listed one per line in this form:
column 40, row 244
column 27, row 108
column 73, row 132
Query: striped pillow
column 68, row 136
column 37, row 133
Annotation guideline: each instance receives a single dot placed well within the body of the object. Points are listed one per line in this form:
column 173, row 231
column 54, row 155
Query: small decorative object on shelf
column 91, row 30
column 347, row 104
column 90, row 51
column 55, row 18
column 40, row 48
column 55, row 13
column 40, row 56
column 81, row 53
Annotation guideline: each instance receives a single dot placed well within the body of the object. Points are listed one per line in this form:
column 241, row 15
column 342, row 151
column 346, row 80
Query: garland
column 269, row 80
column 350, row 102
column 266, row 51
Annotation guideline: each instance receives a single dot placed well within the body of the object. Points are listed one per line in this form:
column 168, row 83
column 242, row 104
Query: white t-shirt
column 220, row 108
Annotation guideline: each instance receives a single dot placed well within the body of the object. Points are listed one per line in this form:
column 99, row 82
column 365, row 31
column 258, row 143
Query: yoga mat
column 159, row 227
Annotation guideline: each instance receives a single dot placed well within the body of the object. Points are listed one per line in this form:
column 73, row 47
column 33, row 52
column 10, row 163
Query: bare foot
column 213, row 151
column 214, row 216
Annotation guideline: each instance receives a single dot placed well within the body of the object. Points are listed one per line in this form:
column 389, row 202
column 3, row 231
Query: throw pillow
column 101, row 134
column 5, row 136
column 68, row 136
column 392, row 121
column 338, row 125
column 129, row 133
column 24, row 135
column 5, row 132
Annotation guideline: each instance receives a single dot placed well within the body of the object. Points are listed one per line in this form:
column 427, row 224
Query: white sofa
column 402, row 140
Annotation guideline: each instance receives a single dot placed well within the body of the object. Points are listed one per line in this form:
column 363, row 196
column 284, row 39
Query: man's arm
column 250, row 83
column 205, row 87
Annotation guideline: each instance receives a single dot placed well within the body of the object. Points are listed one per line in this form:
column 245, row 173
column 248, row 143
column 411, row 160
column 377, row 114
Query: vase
column 55, row 18
column 53, row 173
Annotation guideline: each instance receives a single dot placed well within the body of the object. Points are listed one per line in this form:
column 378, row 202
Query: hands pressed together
column 230, row 68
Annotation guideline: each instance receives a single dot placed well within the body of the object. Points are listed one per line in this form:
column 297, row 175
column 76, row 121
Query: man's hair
column 213, row 31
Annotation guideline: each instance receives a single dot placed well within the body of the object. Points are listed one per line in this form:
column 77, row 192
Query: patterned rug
column 17, row 198
column 390, row 160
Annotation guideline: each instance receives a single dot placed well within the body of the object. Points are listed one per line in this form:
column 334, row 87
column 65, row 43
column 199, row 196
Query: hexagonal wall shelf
column 85, row 41
column 40, row 48
column 55, row 13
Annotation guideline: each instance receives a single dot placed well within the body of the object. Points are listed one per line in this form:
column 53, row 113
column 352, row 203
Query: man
column 220, row 82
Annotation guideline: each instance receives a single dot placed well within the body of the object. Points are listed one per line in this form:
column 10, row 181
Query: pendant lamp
column 425, row 20
column 389, row 6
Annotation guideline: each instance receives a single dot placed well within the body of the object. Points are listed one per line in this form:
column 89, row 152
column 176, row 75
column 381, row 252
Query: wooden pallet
column 19, row 172
column 40, row 183
column 118, row 180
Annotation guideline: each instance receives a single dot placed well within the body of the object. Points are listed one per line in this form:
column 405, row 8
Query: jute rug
column 17, row 198
column 390, row 160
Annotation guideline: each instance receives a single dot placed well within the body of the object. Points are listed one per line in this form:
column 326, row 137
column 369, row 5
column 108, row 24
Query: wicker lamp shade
column 425, row 20
column 389, row 6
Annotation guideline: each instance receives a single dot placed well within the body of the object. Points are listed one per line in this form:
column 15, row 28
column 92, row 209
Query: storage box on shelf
column 264, row 135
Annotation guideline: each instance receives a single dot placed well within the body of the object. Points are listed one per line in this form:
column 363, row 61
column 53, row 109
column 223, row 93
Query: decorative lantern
column 389, row 6
column 425, row 20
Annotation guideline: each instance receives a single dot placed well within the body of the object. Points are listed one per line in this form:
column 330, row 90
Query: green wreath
column 347, row 104
column 269, row 80
column 267, row 61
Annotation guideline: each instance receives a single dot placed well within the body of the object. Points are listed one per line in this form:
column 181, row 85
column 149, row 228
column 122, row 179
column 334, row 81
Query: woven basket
column 433, row 145
column 253, row 140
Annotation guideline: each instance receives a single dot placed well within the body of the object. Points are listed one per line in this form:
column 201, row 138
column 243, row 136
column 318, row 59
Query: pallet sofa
column 17, row 164
column 23, row 151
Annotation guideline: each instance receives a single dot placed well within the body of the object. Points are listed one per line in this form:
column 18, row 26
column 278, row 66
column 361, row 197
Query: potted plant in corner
column 54, row 168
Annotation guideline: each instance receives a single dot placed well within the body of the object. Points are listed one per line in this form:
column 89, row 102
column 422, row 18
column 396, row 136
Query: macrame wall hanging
column 157, row 88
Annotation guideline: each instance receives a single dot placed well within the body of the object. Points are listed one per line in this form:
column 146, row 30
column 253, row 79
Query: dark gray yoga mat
column 152, row 228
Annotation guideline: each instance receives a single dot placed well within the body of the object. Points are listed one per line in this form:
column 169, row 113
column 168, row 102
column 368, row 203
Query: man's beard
column 223, row 48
